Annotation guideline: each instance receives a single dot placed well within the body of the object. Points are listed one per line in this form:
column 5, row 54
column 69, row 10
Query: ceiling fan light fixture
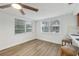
column 16, row 6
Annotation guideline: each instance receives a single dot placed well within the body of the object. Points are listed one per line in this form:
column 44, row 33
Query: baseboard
column 26, row 42
column 47, row 41
column 15, row 44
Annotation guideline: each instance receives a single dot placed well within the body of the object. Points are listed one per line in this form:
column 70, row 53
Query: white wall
column 8, row 37
column 7, row 34
column 67, row 25
column 75, row 8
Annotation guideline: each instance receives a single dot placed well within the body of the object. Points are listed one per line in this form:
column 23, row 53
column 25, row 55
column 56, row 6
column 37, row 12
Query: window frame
column 21, row 23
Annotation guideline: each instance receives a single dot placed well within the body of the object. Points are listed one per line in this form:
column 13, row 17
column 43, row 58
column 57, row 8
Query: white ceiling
column 45, row 10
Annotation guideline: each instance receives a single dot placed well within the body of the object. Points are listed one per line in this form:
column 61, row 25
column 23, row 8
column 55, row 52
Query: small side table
column 66, row 41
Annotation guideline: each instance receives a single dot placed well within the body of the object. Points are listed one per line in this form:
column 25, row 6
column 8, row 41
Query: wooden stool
column 66, row 41
column 68, row 51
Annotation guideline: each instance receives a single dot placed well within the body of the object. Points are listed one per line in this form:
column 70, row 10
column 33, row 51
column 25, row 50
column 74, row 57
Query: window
column 55, row 29
column 22, row 26
column 54, row 26
column 28, row 27
column 45, row 26
column 50, row 26
column 19, row 26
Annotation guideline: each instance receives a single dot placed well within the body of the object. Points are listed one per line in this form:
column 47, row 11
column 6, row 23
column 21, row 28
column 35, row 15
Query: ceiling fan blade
column 5, row 6
column 22, row 12
column 28, row 7
column 70, row 3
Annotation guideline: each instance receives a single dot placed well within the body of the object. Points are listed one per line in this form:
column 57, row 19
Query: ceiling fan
column 20, row 7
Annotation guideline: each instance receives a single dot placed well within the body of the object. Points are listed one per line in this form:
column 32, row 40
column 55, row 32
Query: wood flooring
column 33, row 48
